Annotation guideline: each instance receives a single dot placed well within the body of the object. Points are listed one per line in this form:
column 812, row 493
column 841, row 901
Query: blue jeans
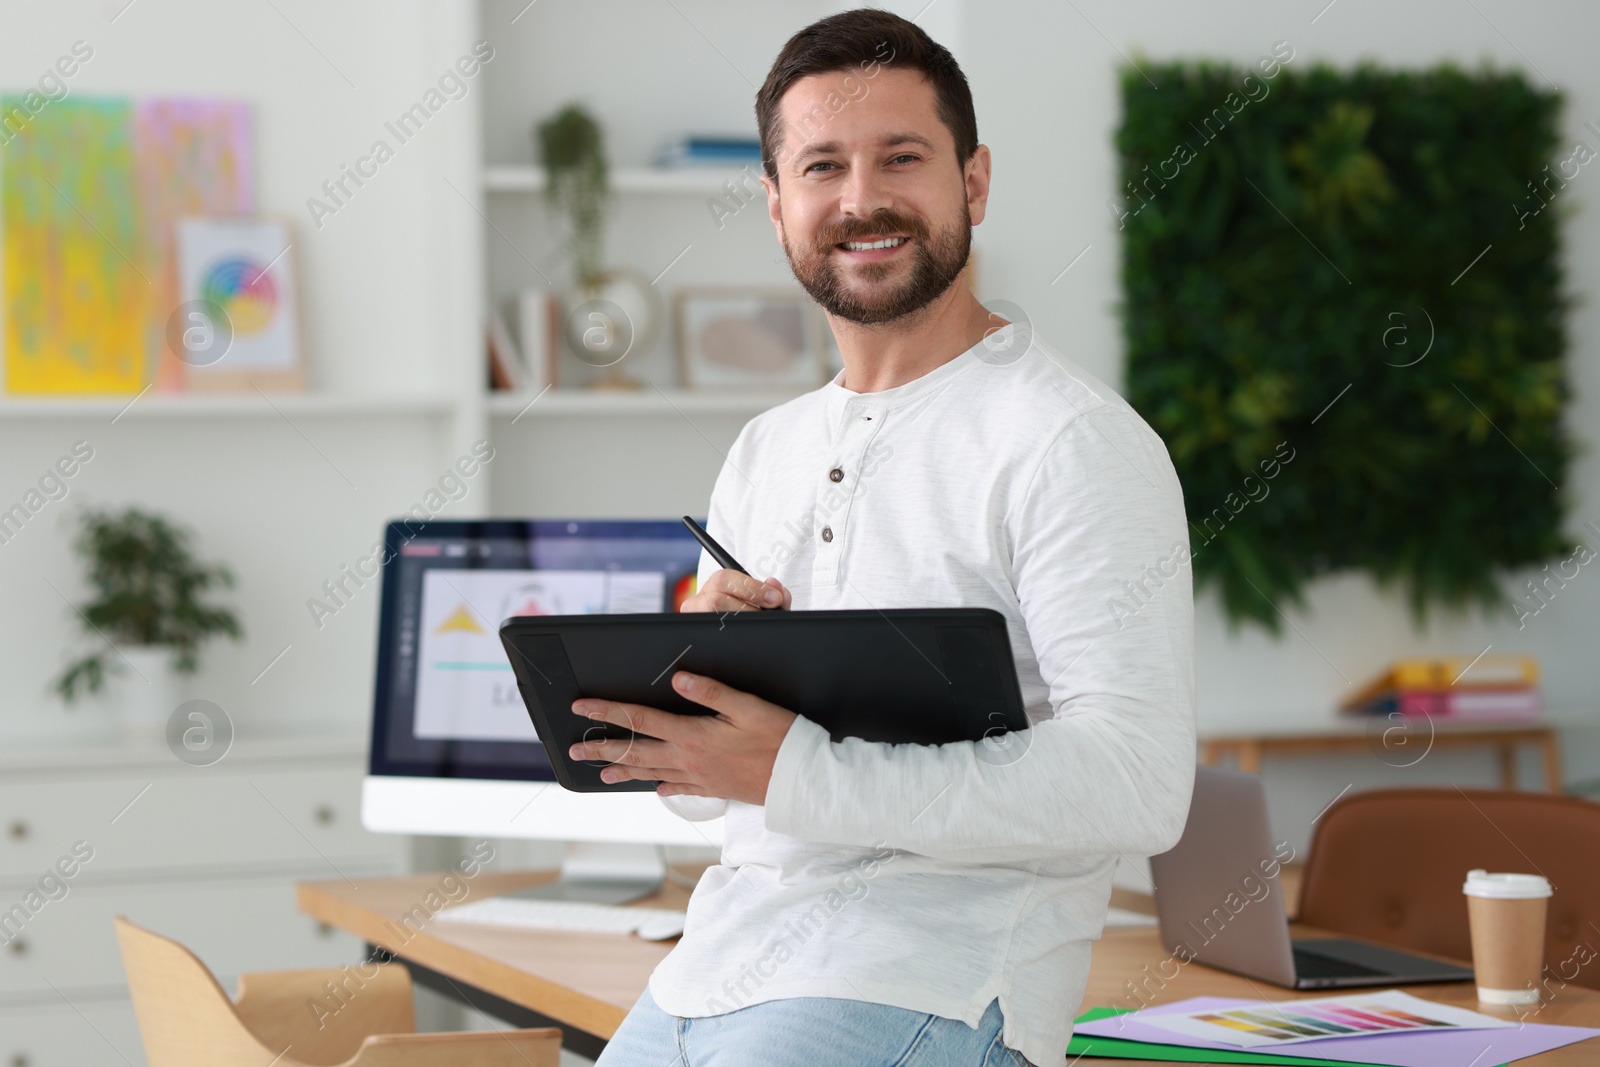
column 806, row 1032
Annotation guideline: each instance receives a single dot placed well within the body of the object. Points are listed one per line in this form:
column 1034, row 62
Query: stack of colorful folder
column 1480, row 688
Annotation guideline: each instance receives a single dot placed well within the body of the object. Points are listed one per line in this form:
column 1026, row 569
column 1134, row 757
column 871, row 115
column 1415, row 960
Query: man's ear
column 976, row 176
column 774, row 206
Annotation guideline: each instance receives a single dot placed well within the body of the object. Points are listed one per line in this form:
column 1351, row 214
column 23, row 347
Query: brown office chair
column 1387, row 865
column 186, row 1020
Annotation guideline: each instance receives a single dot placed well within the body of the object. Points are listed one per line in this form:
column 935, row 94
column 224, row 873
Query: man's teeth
column 864, row 246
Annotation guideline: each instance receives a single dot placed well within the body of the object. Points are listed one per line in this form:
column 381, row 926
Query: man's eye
column 904, row 155
column 814, row 166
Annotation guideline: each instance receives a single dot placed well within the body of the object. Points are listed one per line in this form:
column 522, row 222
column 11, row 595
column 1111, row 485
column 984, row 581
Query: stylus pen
column 718, row 553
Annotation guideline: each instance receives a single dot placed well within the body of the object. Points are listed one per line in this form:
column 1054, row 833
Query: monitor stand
column 602, row 873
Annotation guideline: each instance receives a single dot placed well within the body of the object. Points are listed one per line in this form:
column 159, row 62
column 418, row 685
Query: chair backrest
column 1387, row 865
column 185, row 1018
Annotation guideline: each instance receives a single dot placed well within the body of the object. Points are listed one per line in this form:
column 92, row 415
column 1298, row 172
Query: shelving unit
column 657, row 450
column 287, row 487
column 393, row 408
column 282, row 488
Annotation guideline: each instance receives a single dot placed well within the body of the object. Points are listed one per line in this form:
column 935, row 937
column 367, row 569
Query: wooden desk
column 1418, row 738
column 589, row 981
column 586, row 981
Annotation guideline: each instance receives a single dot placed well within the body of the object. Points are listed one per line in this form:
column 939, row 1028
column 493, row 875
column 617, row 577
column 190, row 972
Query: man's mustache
column 880, row 225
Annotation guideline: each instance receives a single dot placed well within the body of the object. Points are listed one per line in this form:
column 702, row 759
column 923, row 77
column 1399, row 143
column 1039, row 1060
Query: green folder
column 1118, row 1048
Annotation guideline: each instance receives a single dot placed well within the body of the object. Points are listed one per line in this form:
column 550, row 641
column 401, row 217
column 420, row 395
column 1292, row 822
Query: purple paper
column 1435, row 1048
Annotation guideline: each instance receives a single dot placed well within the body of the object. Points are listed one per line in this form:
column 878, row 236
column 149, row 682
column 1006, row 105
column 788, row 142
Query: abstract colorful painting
column 90, row 191
column 191, row 157
column 76, row 294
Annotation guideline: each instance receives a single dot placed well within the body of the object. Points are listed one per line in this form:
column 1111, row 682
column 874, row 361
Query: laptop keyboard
column 1311, row 965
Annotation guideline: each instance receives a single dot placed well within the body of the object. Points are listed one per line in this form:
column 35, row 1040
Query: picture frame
column 238, row 324
column 731, row 337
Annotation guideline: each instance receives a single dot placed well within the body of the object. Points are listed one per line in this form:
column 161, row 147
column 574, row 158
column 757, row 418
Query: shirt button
column 827, row 533
column 836, row 475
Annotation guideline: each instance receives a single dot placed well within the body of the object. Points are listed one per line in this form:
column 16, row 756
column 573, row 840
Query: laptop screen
column 446, row 701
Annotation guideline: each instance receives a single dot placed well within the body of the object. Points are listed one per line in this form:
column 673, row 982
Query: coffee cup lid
column 1480, row 883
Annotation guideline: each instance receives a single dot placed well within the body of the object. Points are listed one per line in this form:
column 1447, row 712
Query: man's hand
column 729, row 754
column 728, row 590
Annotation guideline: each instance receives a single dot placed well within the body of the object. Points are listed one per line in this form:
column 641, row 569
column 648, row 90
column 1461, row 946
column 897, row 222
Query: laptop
column 1218, row 901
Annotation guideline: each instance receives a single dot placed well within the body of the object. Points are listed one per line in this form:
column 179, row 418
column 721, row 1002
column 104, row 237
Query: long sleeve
column 1099, row 565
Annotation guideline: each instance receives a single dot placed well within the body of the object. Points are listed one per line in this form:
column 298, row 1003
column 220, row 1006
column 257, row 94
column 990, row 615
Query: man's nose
column 864, row 192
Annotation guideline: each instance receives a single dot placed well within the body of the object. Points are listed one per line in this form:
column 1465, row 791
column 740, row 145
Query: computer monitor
column 453, row 750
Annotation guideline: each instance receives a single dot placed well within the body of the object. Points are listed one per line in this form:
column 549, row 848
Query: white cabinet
column 58, row 1035
column 206, row 855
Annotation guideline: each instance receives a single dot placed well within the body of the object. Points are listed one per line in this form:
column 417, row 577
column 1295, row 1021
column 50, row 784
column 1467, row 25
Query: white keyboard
column 652, row 924
column 1122, row 918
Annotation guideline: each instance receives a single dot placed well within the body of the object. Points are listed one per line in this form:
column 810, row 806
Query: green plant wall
column 1344, row 314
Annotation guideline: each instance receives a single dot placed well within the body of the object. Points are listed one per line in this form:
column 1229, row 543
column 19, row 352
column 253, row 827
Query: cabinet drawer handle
column 324, row 815
column 17, row 947
column 18, row 830
column 20, row 1060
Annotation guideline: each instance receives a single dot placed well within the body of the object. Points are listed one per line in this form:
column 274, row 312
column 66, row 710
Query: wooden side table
column 1248, row 750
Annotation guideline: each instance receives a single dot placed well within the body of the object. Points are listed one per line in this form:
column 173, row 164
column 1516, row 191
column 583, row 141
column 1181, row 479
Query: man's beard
column 935, row 265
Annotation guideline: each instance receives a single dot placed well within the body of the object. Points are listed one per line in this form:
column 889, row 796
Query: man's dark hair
column 864, row 40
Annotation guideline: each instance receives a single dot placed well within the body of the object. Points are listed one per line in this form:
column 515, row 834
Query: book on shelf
column 1455, row 687
column 702, row 151
column 505, row 365
column 525, row 362
column 539, row 327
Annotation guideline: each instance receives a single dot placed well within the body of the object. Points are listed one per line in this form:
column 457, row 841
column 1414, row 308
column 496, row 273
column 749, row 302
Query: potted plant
column 572, row 149
column 610, row 311
column 147, row 614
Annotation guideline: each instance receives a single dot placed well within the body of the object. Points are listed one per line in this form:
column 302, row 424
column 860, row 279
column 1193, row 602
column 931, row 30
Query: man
column 903, row 904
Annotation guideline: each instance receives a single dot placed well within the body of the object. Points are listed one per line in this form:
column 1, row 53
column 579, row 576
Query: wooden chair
column 1387, row 865
column 314, row 1018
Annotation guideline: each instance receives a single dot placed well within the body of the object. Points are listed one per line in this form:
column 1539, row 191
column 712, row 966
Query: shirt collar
column 838, row 397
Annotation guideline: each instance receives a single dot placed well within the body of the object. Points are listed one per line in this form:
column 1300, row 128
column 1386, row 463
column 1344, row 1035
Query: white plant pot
column 142, row 702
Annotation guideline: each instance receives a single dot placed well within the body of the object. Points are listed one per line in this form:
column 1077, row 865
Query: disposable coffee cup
column 1506, row 915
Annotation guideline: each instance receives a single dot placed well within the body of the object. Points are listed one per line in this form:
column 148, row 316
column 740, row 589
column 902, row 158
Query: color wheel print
column 245, row 292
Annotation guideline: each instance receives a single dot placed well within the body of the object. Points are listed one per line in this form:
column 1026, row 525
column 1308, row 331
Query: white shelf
column 673, row 402
column 213, row 406
column 696, row 181
column 93, row 751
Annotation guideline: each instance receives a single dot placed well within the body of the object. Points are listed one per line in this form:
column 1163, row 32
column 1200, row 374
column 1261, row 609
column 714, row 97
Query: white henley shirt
column 937, row 878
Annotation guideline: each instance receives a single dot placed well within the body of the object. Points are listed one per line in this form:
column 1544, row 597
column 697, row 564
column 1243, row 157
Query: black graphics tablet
column 924, row 676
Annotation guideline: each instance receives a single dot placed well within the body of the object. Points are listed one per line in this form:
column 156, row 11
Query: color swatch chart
column 1287, row 1022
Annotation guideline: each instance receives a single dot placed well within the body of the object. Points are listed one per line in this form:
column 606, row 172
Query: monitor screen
column 447, row 704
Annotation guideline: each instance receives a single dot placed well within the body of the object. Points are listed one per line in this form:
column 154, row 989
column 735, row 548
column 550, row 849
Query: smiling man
column 885, row 904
